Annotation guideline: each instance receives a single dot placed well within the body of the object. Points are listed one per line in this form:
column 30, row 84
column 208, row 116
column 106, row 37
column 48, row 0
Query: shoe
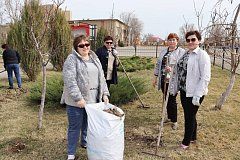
column 10, row 87
column 174, row 125
column 184, row 147
column 193, row 141
column 84, row 146
column 166, row 120
column 71, row 157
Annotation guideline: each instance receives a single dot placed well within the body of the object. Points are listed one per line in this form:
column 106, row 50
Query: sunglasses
column 192, row 40
column 82, row 45
column 109, row 42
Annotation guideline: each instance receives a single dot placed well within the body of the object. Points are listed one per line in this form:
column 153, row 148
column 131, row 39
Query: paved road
column 149, row 51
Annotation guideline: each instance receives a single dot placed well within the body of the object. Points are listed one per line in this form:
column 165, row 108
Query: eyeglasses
column 109, row 42
column 192, row 40
column 82, row 45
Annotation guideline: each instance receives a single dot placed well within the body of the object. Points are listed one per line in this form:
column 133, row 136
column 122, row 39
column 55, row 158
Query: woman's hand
column 105, row 99
column 168, row 69
column 196, row 100
column 81, row 103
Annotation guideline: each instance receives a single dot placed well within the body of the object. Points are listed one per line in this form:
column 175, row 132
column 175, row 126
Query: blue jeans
column 14, row 68
column 77, row 120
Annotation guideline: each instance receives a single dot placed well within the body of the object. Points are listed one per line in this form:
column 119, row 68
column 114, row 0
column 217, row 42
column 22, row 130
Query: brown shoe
column 166, row 120
column 174, row 125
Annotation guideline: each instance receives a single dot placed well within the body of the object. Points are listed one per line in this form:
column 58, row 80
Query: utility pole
column 111, row 30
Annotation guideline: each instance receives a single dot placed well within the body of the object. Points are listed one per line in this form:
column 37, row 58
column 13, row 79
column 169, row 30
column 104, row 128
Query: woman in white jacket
column 193, row 76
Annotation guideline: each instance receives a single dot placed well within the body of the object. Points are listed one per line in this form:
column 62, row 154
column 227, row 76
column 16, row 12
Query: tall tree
column 221, row 32
column 11, row 9
column 36, row 26
column 235, row 60
column 183, row 30
column 1, row 13
column 59, row 40
column 135, row 27
column 100, row 37
column 19, row 37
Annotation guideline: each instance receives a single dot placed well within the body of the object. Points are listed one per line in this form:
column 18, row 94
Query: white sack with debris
column 105, row 134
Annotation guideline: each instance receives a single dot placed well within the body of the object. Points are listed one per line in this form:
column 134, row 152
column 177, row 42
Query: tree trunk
column 44, row 86
column 225, row 94
column 234, row 63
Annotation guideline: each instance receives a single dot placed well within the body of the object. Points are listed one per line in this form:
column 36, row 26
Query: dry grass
column 217, row 130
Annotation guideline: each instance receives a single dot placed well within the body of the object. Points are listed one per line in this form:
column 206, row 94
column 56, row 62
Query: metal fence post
column 214, row 57
column 156, row 49
column 223, row 57
column 135, row 49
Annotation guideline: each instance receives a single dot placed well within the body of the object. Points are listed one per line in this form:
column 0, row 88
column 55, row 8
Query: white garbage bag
column 105, row 134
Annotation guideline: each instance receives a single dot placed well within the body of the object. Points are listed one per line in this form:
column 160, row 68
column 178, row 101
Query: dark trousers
column 190, row 111
column 171, row 105
column 108, row 83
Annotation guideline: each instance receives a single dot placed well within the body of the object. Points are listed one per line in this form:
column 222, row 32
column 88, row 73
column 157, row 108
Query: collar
column 107, row 48
column 172, row 50
column 196, row 50
column 91, row 54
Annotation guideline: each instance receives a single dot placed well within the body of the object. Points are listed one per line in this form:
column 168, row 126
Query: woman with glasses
column 193, row 75
column 84, row 83
column 107, row 56
column 166, row 61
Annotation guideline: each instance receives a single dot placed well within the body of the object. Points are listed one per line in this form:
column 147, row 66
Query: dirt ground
column 218, row 131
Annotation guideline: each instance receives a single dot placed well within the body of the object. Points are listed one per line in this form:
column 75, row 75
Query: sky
column 159, row 17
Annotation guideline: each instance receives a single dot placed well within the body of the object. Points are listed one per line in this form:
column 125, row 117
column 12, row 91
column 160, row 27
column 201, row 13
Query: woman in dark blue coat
column 107, row 56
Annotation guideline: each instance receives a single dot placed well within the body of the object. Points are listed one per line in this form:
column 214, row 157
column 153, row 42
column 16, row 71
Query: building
column 4, row 29
column 116, row 28
column 81, row 28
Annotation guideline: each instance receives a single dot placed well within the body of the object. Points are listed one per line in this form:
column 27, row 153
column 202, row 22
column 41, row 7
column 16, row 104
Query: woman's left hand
column 105, row 99
column 168, row 69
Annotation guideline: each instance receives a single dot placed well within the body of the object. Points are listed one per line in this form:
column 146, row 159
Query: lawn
column 217, row 130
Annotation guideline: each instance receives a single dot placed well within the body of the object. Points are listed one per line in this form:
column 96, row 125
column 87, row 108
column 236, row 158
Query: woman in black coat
column 107, row 56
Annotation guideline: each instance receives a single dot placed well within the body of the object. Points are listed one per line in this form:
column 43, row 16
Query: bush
column 53, row 93
column 123, row 92
column 120, row 43
column 132, row 64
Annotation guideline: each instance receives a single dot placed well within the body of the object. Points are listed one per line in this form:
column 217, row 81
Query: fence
column 220, row 56
column 146, row 51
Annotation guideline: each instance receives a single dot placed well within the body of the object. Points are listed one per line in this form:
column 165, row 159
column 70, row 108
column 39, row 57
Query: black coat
column 10, row 56
column 102, row 54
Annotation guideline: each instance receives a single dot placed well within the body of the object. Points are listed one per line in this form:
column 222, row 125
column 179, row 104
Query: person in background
column 11, row 60
column 165, row 63
column 193, row 77
column 84, row 83
column 107, row 56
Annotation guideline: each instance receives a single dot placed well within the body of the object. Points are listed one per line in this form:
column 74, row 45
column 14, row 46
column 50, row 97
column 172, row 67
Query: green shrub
column 132, row 64
column 54, row 90
column 123, row 92
column 120, row 43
